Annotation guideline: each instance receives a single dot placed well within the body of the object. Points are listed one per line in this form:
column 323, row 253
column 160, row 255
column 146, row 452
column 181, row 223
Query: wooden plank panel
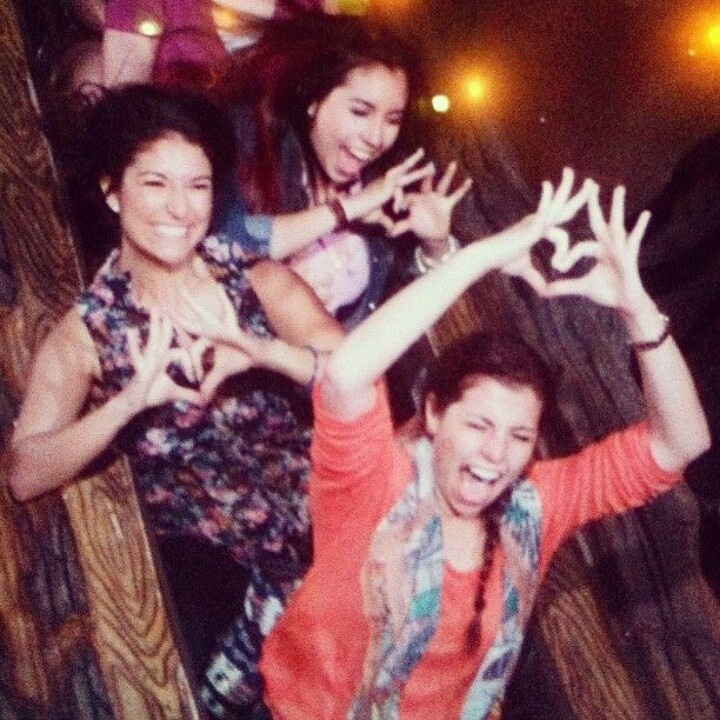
column 102, row 649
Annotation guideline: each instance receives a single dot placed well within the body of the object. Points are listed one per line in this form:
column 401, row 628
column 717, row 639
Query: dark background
column 605, row 86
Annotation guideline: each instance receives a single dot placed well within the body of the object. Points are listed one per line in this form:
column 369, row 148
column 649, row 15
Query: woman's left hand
column 367, row 204
column 614, row 280
column 430, row 211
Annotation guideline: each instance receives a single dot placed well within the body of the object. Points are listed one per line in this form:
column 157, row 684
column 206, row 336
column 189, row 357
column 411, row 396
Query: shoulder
column 69, row 346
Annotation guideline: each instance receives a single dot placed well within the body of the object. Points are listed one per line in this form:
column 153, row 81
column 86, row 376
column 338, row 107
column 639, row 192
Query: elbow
column 704, row 441
column 677, row 457
column 700, row 440
column 334, row 379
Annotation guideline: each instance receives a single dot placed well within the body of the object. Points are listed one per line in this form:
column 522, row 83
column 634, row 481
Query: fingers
column 541, row 214
column 446, row 180
column 196, row 353
column 133, row 343
column 399, row 200
column 409, row 162
column 193, row 397
column 460, row 193
column 182, row 358
column 637, row 233
column 566, row 286
column 399, row 228
column 159, row 339
column 561, row 241
column 574, row 204
column 562, row 194
column 534, row 278
column 565, row 261
column 617, row 213
column 211, row 383
column 409, row 178
column 595, row 213
column 384, row 220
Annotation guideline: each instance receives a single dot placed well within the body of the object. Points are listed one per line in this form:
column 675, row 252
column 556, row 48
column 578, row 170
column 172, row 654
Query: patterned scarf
column 402, row 583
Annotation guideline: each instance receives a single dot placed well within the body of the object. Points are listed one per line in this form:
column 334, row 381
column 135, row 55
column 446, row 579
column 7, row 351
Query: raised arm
column 678, row 429
column 292, row 232
column 374, row 345
column 52, row 443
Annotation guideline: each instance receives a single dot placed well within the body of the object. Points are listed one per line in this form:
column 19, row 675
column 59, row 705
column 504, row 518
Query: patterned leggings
column 232, row 686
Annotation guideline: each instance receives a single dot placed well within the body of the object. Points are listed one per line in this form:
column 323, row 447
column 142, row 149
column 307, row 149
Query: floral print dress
column 232, row 473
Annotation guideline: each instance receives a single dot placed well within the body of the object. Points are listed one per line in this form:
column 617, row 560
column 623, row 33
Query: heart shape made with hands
column 556, row 257
column 191, row 362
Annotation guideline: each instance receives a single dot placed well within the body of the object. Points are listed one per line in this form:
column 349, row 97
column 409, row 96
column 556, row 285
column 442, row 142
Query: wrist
column 426, row 261
column 647, row 327
column 125, row 406
column 275, row 355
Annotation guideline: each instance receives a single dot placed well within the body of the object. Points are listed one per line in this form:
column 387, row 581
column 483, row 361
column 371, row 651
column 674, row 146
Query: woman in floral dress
column 216, row 436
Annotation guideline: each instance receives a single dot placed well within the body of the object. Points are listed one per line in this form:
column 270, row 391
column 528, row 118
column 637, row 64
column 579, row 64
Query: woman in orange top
column 427, row 564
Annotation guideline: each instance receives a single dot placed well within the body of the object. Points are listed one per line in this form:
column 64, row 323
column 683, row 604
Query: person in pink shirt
column 427, row 561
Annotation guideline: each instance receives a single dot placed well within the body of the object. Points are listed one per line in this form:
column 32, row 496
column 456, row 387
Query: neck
column 155, row 284
column 463, row 542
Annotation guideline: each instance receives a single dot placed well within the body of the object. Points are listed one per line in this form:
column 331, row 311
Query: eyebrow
column 362, row 101
column 157, row 173
column 372, row 106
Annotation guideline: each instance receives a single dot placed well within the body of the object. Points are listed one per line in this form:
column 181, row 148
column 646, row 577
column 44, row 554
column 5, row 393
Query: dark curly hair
column 122, row 122
column 502, row 356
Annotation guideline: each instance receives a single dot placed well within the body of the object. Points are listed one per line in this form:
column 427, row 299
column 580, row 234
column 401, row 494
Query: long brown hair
column 297, row 63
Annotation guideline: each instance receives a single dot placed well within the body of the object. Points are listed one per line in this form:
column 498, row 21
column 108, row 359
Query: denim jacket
column 253, row 231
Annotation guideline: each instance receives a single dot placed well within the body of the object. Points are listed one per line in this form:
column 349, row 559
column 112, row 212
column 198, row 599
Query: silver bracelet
column 425, row 264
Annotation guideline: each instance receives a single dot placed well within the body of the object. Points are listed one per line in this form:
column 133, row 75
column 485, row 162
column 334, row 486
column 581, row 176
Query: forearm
column 297, row 363
column 379, row 341
column 291, row 233
column 46, row 461
column 678, row 429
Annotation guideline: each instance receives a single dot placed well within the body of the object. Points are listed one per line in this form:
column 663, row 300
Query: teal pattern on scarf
column 402, row 584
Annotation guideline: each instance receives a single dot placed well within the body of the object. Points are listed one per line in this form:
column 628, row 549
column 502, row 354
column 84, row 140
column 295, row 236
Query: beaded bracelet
column 645, row 345
column 424, row 263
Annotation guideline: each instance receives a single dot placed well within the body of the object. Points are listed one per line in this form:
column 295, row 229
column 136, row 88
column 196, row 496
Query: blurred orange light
column 713, row 37
column 475, row 89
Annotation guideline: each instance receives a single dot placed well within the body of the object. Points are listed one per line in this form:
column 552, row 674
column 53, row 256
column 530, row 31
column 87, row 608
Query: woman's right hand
column 367, row 204
column 555, row 208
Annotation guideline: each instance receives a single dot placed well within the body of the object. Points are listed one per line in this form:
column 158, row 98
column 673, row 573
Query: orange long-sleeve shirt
column 312, row 661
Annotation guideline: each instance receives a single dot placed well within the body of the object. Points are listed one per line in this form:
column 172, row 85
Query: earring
column 312, row 110
column 113, row 203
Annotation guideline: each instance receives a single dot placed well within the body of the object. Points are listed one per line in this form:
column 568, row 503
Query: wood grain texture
column 132, row 636
column 85, row 632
